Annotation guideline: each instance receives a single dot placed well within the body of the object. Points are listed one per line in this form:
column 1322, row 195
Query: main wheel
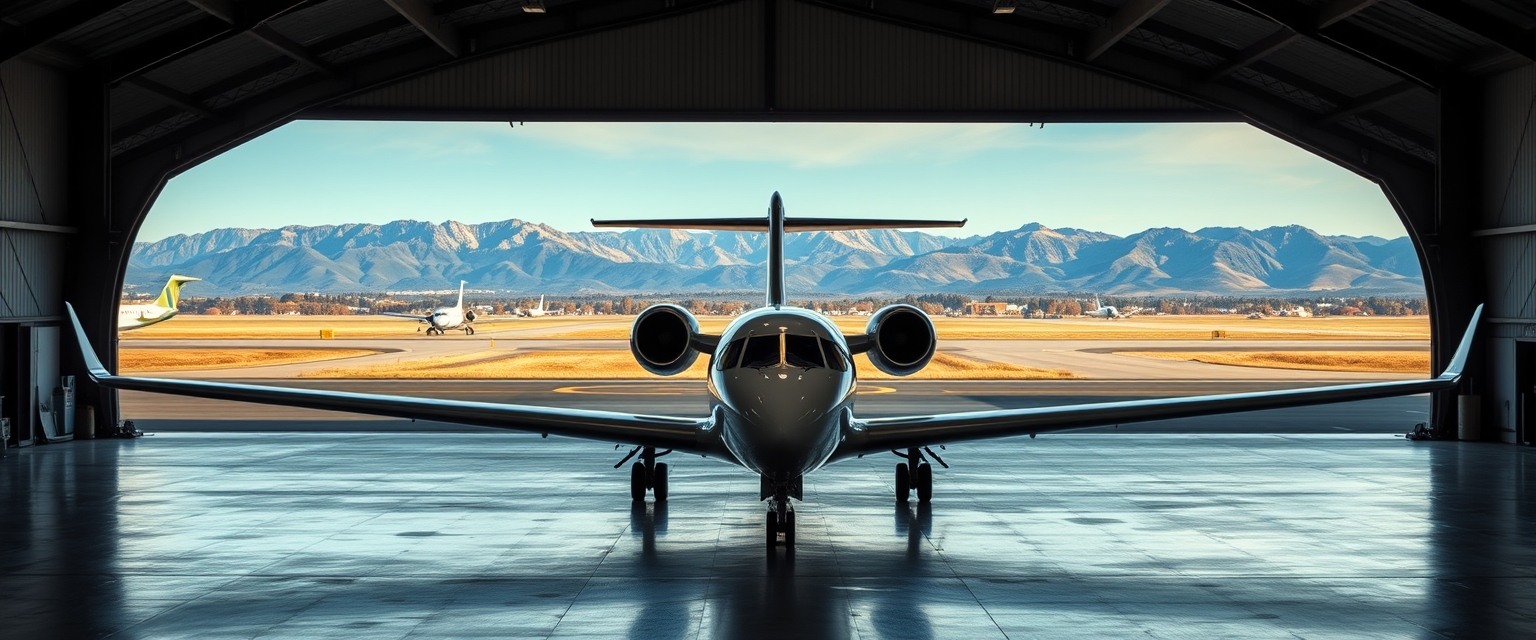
column 789, row 529
column 773, row 530
column 469, row 330
column 659, row 482
column 903, row 482
column 637, row 482
column 924, row 483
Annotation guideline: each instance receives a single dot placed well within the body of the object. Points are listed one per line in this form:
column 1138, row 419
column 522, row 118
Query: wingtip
column 93, row 366
column 1459, row 361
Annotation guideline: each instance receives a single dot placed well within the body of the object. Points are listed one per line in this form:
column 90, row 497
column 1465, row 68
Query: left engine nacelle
column 902, row 340
column 662, row 339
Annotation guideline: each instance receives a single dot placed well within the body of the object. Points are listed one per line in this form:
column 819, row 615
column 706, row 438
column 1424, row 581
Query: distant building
column 986, row 308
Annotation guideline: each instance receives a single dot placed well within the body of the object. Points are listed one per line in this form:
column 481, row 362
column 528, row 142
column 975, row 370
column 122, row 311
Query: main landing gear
column 781, row 522
column 916, row 474
column 646, row 473
column 469, row 330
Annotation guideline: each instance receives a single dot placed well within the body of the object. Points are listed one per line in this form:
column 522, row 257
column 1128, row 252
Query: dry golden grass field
column 131, row 360
column 620, row 365
column 1363, row 361
column 1011, row 328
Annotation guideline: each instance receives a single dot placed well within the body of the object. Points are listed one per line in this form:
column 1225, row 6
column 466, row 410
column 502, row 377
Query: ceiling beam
column 172, row 97
column 286, row 46
column 1377, row 98
column 1347, row 38
column 221, row 9
column 1255, row 52
column 19, row 39
column 1122, row 21
column 1509, row 36
column 420, row 14
column 1339, row 10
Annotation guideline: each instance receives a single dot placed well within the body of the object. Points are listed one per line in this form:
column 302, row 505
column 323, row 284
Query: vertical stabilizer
column 541, row 302
column 461, row 295
column 170, row 296
column 776, row 251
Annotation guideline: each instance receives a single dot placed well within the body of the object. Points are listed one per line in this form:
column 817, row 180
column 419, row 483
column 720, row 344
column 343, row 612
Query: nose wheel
column 781, row 525
column 468, row 330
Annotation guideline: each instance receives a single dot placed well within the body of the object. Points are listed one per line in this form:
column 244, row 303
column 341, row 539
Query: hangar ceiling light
column 533, row 6
column 1003, row 6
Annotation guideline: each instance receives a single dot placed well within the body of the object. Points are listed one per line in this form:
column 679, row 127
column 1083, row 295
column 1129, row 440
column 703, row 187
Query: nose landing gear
column 781, row 522
column 647, row 474
column 916, row 474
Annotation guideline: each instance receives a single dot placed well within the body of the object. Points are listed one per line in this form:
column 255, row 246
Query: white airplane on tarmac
column 535, row 312
column 444, row 318
column 138, row 316
column 1101, row 311
column 781, row 390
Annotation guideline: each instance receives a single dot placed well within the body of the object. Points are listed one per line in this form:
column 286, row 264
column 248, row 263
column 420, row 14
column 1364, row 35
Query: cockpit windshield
column 781, row 350
column 761, row 351
column 802, row 352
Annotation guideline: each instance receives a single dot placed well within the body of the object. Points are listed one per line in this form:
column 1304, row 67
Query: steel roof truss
column 171, row 96
column 286, row 46
column 221, row 9
column 421, row 15
column 35, row 32
column 1339, row 10
column 1509, row 36
column 1122, row 21
column 1369, row 101
column 1349, row 39
column 1255, row 52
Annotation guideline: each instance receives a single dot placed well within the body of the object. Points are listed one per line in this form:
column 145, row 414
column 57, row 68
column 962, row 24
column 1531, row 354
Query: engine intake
column 902, row 340
column 662, row 339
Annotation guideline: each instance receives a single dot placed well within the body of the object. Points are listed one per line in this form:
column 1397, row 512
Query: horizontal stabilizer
column 790, row 224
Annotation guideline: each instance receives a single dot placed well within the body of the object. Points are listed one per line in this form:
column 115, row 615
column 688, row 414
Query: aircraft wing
column 885, row 434
column 688, row 435
column 414, row 316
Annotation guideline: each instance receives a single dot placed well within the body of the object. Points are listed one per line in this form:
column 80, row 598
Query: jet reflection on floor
column 468, row 535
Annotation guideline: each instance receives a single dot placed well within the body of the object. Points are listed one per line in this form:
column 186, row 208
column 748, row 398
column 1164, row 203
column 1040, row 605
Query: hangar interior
column 103, row 101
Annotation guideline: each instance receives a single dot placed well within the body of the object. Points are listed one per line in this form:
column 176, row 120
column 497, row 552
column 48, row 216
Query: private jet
column 781, row 388
column 138, row 316
column 442, row 319
column 1108, row 312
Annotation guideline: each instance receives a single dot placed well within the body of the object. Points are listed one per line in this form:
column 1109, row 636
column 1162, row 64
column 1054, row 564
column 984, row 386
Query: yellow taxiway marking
column 870, row 390
column 622, row 390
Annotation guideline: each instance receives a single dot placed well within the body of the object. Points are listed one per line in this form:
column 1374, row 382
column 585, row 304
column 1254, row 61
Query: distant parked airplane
column 1111, row 313
column 443, row 318
column 534, row 313
column 136, row 316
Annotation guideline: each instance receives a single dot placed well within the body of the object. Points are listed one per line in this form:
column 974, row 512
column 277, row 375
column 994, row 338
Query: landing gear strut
column 781, row 522
column 916, row 474
column 468, row 330
column 647, row 473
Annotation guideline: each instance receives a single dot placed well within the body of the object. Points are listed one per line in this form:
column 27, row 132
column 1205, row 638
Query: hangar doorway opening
column 1185, row 230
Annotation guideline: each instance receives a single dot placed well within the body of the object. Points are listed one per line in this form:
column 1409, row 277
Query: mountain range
column 521, row 257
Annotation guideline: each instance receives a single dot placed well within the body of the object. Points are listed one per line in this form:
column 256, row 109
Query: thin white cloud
column 796, row 144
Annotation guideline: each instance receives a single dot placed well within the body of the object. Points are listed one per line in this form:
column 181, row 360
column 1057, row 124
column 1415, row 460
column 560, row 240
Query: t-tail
column 776, row 225
column 170, row 296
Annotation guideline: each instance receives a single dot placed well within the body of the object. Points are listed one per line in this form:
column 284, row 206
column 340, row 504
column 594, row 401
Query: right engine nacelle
column 662, row 339
column 902, row 339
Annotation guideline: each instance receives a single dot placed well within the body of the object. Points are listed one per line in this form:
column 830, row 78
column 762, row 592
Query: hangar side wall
column 1508, row 197
column 35, row 232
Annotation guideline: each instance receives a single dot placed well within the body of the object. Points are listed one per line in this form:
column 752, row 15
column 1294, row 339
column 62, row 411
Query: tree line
column 731, row 304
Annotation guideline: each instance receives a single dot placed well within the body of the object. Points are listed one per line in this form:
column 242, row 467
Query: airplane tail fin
column 541, row 302
column 171, row 294
column 776, row 225
column 461, row 295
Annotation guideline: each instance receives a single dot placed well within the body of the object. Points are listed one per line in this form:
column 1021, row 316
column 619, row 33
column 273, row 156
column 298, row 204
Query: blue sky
column 1117, row 178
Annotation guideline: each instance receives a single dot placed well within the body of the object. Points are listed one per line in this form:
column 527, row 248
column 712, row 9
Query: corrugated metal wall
column 708, row 60
column 33, row 188
column 1509, row 200
column 833, row 61
column 712, row 61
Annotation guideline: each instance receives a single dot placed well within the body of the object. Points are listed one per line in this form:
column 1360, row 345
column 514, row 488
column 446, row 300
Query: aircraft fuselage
column 784, row 384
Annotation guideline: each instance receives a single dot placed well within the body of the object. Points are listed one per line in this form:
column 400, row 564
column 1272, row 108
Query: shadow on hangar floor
column 157, row 86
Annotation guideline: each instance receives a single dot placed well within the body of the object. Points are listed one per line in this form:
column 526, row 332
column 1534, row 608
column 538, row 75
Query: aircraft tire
column 903, row 482
column 637, row 482
column 925, row 483
column 659, row 483
column 469, row 330
column 789, row 529
column 773, row 530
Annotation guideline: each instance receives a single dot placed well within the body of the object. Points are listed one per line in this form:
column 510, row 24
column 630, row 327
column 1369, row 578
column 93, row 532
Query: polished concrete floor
column 432, row 535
